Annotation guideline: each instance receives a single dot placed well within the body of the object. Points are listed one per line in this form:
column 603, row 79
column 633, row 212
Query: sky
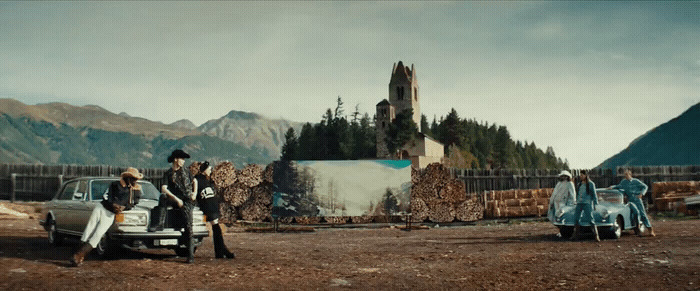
column 583, row 77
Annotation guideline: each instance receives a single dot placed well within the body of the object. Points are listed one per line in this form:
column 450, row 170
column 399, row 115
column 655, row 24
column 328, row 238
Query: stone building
column 404, row 94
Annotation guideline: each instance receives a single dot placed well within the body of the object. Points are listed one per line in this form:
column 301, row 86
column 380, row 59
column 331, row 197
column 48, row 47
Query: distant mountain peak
column 184, row 123
column 124, row 114
column 242, row 115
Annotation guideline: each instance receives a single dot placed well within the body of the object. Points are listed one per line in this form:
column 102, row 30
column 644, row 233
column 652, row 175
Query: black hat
column 203, row 166
column 178, row 153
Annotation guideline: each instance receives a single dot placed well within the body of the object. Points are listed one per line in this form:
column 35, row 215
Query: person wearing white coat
column 564, row 194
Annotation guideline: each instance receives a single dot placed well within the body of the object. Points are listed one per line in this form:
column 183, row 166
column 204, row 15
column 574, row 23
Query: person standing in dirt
column 121, row 195
column 564, row 194
column 178, row 190
column 635, row 189
column 209, row 204
column 586, row 201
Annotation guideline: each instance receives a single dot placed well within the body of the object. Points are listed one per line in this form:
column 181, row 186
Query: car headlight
column 132, row 219
column 605, row 213
column 560, row 213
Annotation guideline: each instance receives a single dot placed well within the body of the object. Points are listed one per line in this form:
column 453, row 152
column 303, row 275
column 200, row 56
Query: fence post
column 60, row 180
column 13, row 187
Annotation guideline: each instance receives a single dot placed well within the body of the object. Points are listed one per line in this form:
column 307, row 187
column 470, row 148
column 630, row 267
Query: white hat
column 565, row 173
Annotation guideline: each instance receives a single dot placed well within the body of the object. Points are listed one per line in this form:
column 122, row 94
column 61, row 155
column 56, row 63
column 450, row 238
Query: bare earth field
column 519, row 255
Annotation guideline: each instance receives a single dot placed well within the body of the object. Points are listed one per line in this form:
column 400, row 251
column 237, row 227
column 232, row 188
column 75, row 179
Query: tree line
column 468, row 143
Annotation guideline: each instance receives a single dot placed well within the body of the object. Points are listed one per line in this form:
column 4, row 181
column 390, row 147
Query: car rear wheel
column 54, row 237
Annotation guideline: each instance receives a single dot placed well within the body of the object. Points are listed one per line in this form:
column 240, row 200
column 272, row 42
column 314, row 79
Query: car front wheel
column 54, row 237
column 566, row 231
column 615, row 231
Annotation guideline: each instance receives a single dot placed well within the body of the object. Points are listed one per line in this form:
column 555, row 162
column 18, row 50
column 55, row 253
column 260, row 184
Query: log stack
column 670, row 196
column 517, row 203
column 245, row 194
column 438, row 197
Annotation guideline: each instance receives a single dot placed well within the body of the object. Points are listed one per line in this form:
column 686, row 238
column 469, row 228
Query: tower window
column 415, row 93
column 383, row 124
column 399, row 92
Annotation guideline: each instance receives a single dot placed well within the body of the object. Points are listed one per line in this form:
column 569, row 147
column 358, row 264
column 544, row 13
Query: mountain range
column 57, row 133
column 676, row 142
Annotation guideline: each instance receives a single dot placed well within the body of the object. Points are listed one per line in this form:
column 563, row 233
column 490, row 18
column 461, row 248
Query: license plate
column 167, row 242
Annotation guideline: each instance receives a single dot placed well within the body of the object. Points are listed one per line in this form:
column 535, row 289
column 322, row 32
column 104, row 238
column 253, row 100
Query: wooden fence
column 479, row 181
column 40, row 182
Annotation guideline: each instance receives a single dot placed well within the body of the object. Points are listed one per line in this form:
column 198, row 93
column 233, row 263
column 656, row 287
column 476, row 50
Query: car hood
column 146, row 204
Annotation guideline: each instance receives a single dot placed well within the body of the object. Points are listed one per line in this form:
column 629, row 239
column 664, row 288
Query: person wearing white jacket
column 564, row 194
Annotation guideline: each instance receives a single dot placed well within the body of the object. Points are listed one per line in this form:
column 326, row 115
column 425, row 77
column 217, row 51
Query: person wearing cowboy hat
column 209, row 204
column 121, row 195
column 178, row 190
column 564, row 194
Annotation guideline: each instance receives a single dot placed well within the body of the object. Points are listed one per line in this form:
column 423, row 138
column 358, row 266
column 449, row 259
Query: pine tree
column 291, row 146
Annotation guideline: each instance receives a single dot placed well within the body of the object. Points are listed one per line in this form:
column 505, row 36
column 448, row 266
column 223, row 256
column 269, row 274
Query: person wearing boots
column 586, row 201
column 178, row 190
column 209, row 204
column 121, row 195
column 635, row 189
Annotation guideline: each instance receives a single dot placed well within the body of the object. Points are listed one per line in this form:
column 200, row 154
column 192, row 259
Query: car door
column 63, row 206
column 82, row 208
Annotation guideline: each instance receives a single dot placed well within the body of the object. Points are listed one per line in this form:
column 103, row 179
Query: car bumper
column 168, row 238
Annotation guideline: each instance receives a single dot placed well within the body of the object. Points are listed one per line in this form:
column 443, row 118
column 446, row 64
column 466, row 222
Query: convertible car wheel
column 615, row 231
column 566, row 231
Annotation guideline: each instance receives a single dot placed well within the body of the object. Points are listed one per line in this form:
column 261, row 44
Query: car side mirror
column 78, row 196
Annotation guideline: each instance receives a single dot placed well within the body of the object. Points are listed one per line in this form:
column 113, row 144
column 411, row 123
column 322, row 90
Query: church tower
column 403, row 94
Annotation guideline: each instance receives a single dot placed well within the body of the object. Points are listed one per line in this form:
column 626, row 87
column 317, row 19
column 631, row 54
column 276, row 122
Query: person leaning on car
column 634, row 189
column 121, row 195
column 179, row 191
column 586, row 201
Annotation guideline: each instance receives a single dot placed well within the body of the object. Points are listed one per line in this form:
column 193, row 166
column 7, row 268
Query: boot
column 651, row 232
column 190, row 251
column 220, row 249
column 80, row 254
column 577, row 230
column 157, row 219
column 595, row 232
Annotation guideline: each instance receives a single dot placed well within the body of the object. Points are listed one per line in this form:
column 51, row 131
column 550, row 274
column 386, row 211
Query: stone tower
column 403, row 94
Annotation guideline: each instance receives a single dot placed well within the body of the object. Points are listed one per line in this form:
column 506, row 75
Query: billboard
column 342, row 188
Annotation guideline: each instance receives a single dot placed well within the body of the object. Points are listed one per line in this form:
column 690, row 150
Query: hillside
column 252, row 130
column 675, row 142
column 92, row 116
column 24, row 140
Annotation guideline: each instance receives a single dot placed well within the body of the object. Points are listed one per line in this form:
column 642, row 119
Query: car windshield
column 99, row 189
column 610, row 197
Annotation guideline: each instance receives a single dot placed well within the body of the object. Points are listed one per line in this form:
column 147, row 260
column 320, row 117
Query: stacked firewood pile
column 245, row 194
column 517, row 203
column 670, row 196
column 438, row 197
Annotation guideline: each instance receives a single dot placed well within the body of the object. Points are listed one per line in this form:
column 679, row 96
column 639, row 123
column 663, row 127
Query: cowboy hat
column 565, row 173
column 178, row 153
column 132, row 172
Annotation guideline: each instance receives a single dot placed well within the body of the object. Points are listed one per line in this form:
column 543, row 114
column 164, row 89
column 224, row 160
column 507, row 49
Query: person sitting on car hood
column 120, row 196
column 564, row 194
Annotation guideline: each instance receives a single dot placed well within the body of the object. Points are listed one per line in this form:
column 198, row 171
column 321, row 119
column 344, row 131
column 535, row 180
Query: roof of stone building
column 384, row 102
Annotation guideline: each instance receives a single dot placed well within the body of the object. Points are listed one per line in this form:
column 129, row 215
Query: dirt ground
column 490, row 255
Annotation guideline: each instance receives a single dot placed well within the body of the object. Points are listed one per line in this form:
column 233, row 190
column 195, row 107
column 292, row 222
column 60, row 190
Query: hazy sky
column 583, row 77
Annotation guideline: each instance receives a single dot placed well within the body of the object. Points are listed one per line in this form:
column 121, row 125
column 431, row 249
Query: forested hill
column 472, row 144
column 675, row 142
column 468, row 144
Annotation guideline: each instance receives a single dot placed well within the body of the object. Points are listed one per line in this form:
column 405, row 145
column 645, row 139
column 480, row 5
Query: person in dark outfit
column 122, row 195
column 209, row 204
column 178, row 191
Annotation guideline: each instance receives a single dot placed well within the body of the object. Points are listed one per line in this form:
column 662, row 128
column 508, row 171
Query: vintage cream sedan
column 66, row 215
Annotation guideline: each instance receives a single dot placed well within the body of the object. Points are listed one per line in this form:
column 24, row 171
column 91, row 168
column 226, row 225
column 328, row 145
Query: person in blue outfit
column 586, row 201
column 635, row 189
